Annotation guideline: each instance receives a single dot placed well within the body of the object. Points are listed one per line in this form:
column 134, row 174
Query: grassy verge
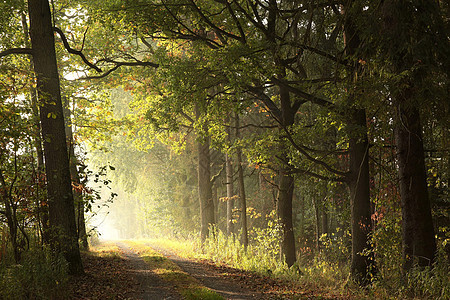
column 189, row 287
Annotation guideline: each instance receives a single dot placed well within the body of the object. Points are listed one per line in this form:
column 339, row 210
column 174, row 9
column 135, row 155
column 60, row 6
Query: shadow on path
column 151, row 286
column 212, row 278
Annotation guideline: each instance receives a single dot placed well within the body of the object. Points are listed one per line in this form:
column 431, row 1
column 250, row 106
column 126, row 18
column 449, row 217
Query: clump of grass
column 201, row 293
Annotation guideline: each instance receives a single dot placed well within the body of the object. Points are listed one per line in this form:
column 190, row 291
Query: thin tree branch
column 119, row 64
column 309, row 157
column 300, row 93
column 76, row 52
column 208, row 21
column 313, row 174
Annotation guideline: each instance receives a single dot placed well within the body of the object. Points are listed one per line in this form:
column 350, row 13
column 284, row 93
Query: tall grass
column 38, row 276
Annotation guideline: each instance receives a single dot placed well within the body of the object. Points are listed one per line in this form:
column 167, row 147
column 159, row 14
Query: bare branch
column 208, row 21
column 302, row 94
column 119, row 64
column 313, row 174
column 16, row 51
column 309, row 157
column 76, row 52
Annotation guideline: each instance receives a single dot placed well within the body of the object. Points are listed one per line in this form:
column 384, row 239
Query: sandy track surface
column 213, row 277
column 151, row 286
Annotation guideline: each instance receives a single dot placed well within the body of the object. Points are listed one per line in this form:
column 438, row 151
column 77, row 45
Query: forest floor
column 136, row 270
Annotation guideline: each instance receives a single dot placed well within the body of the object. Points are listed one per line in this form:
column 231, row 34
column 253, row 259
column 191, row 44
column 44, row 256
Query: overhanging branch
column 16, row 51
column 119, row 64
column 76, row 52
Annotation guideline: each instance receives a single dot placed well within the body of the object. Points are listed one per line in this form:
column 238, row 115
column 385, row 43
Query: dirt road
column 151, row 286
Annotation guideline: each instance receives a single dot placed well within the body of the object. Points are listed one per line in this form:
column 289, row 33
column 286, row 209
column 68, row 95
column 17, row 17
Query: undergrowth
column 38, row 276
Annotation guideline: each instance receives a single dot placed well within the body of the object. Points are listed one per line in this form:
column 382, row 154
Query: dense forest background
column 307, row 138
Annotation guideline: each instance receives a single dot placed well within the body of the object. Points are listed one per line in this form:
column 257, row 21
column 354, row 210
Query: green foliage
column 39, row 276
column 336, row 246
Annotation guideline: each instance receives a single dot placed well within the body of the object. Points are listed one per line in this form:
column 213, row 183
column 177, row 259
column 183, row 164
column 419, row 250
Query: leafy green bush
column 39, row 276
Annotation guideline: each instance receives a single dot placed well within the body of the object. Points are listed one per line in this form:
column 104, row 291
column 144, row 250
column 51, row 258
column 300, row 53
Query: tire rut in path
column 151, row 286
column 211, row 278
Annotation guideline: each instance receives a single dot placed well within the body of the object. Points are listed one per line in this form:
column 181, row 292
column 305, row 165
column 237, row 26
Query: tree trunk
column 11, row 218
column 324, row 221
column 317, row 222
column 230, row 194
column 242, row 197
column 417, row 223
column 362, row 266
column 41, row 209
column 59, row 188
column 204, row 183
column 286, row 185
column 284, row 209
column 77, row 188
column 204, row 189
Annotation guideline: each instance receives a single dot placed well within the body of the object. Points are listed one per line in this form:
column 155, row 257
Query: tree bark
column 317, row 221
column 59, row 189
column 230, row 194
column 286, row 183
column 242, row 196
column 41, row 208
column 284, row 209
column 204, row 184
column 417, row 224
column 77, row 190
column 362, row 265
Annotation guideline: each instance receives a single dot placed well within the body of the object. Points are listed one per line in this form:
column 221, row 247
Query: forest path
column 152, row 286
column 218, row 279
column 147, row 269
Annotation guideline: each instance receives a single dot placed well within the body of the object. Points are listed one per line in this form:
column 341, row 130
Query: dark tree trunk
column 204, row 189
column 417, row 223
column 42, row 210
column 77, row 188
column 59, row 189
column 230, row 184
column 11, row 218
column 230, row 194
column 362, row 266
column 317, row 222
column 242, row 196
column 204, row 183
column 216, row 204
column 324, row 221
column 284, row 209
column 286, row 184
